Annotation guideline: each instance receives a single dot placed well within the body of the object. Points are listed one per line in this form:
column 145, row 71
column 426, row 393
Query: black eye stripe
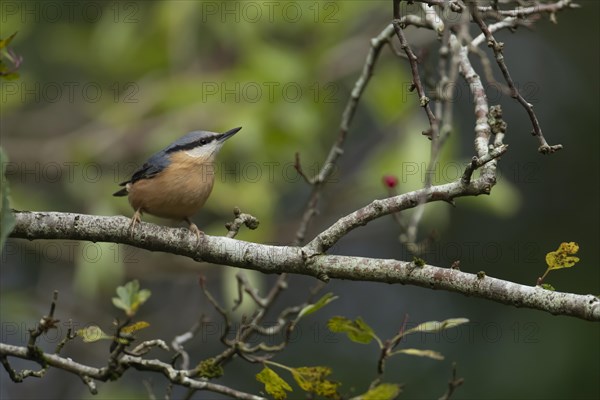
column 191, row 145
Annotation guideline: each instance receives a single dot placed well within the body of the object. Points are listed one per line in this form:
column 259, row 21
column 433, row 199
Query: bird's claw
column 137, row 218
column 195, row 230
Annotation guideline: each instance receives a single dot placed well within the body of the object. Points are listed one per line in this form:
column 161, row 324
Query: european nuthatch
column 175, row 182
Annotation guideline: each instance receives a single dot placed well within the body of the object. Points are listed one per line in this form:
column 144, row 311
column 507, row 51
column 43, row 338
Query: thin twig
column 413, row 61
column 233, row 227
column 175, row 376
column 497, row 47
column 336, row 151
column 522, row 12
column 220, row 310
column 298, row 168
column 453, row 384
column 179, row 340
column 244, row 285
column 477, row 162
column 437, row 138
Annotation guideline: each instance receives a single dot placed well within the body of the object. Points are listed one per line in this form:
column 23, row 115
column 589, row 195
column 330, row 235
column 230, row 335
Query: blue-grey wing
column 152, row 167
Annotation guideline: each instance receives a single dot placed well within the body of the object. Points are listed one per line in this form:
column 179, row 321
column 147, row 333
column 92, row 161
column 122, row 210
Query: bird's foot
column 137, row 218
column 195, row 230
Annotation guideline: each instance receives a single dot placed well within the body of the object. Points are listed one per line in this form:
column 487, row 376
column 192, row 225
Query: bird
column 176, row 181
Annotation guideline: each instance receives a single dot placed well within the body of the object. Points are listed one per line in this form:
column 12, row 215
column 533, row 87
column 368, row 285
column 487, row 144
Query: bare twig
column 177, row 377
column 179, row 340
column 497, row 47
column 220, row 310
column 412, row 59
column 244, row 285
column 149, row 389
column 508, row 22
column 248, row 326
column 336, row 150
column 453, row 4
column 298, row 168
column 233, row 227
column 452, row 384
column 377, row 208
column 389, row 345
column 478, row 162
column 148, row 345
column 522, row 12
column 46, row 323
column 443, row 109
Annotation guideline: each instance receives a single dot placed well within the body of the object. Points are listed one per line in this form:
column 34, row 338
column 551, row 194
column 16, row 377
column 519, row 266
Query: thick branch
column 304, row 260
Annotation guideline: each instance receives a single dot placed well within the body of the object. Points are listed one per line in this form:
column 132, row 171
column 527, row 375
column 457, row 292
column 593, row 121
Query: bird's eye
column 203, row 141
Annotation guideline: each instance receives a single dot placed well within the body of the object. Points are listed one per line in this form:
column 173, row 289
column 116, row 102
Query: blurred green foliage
column 7, row 219
column 115, row 82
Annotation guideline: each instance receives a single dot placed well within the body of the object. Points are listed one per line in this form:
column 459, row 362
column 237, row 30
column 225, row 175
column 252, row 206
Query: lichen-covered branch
column 307, row 260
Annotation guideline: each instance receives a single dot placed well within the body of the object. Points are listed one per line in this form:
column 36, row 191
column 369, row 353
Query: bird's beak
column 229, row 134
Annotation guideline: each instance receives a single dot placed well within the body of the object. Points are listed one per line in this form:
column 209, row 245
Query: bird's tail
column 121, row 193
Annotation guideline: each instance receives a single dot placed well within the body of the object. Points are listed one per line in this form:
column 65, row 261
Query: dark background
column 104, row 85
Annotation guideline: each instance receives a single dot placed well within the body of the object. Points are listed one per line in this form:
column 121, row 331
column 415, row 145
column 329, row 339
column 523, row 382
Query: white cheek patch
column 203, row 151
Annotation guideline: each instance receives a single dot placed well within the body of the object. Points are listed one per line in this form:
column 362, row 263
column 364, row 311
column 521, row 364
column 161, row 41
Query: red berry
column 390, row 181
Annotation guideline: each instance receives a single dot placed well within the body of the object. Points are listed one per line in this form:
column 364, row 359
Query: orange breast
column 177, row 192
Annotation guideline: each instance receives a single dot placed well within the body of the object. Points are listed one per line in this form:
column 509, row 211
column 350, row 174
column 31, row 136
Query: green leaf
column 419, row 262
column 119, row 303
column 358, row 331
column 548, row 286
column 92, row 333
column 436, row 326
column 5, row 42
column 143, row 295
column 322, row 302
column 385, row 391
column 130, row 297
column 7, row 218
column 312, row 379
column 421, row 353
column 274, row 384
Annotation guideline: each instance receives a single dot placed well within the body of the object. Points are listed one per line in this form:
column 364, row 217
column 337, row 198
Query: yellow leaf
column 135, row 327
column 312, row 379
column 274, row 384
column 385, row 391
column 563, row 257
